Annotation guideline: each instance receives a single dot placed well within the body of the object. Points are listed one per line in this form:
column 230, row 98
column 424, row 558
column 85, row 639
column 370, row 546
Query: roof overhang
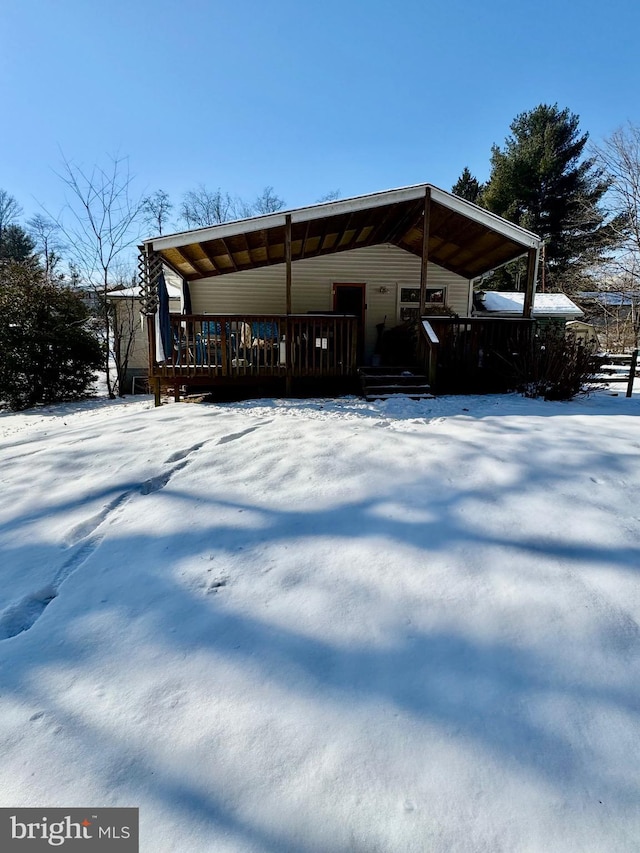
column 463, row 237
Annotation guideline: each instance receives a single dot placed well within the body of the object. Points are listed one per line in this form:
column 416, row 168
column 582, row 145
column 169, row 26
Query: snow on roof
column 544, row 304
column 174, row 288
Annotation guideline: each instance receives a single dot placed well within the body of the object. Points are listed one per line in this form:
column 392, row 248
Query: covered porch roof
column 462, row 237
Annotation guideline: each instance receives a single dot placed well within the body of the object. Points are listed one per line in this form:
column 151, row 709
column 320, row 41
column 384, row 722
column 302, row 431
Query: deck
column 213, row 350
column 473, row 354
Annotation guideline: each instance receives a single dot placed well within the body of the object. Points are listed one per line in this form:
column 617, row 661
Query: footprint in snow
column 182, row 454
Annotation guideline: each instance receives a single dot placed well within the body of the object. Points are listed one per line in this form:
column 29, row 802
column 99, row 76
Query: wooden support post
column 289, row 350
column 532, row 269
column 224, row 355
column 157, row 392
column 425, row 249
column 289, row 328
column 433, row 366
column 287, row 256
column 632, row 372
column 353, row 355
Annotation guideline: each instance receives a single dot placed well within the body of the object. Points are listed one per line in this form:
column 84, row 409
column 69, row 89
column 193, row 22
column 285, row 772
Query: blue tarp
column 164, row 322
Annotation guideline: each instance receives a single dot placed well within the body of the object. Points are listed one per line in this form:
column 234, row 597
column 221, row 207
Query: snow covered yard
column 326, row 626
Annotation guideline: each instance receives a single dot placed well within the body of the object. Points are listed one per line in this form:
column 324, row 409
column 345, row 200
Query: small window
column 411, row 295
column 409, row 300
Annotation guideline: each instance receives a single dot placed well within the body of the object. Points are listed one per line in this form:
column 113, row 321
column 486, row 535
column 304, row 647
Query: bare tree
column 614, row 309
column 100, row 223
column 619, row 157
column 240, row 209
column 332, row 195
column 45, row 233
column 267, row 202
column 156, row 209
column 125, row 323
column 202, row 207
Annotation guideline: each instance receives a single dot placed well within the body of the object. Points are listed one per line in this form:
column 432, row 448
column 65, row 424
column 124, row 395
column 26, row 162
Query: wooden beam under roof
column 183, row 253
column 210, row 258
column 304, row 241
column 486, row 242
column 229, row 253
column 379, row 227
column 401, row 226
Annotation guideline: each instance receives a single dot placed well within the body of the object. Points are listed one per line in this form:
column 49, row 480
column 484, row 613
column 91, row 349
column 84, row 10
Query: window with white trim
column 409, row 301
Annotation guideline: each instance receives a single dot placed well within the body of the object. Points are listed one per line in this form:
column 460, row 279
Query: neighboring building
column 129, row 318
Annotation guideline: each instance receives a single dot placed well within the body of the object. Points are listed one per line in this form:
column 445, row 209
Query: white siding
column 379, row 267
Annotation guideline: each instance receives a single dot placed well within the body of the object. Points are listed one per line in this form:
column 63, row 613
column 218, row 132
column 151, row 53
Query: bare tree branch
column 100, row 223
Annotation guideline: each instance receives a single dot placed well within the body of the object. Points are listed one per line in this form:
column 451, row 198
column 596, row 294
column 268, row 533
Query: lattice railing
column 149, row 268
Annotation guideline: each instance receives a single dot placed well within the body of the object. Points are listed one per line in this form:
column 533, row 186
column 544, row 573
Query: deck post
column 289, row 332
column 632, row 372
column 425, row 249
column 532, row 270
column 287, row 255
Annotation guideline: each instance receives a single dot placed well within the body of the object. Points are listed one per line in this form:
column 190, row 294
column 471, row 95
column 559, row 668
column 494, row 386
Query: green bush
column 48, row 353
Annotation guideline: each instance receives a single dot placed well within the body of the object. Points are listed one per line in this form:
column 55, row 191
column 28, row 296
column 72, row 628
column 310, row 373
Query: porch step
column 384, row 383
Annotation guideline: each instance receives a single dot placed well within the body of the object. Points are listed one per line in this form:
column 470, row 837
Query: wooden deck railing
column 471, row 354
column 227, row 346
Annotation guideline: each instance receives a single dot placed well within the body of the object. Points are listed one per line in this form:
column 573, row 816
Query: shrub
column 47, row 352
column 555, row 365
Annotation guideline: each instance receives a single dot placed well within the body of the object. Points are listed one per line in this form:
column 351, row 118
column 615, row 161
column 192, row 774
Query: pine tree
column 16, row 244
column 539, row 181
column 468, row 187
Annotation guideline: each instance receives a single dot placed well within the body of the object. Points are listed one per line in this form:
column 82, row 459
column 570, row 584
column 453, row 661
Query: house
column 302, row 295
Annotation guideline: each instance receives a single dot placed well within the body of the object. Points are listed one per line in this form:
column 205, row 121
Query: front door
column 349, row 299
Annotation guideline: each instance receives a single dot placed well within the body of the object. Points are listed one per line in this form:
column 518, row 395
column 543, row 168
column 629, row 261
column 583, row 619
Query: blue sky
column 304, row 96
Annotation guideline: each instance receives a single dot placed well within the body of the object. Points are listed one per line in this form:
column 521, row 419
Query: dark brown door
column 349, row 299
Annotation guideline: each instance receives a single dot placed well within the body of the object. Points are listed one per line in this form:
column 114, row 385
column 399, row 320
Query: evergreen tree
column 48, row 351
column 468, row 187
column 539, row 181
column 15, row 244
column 10, row 210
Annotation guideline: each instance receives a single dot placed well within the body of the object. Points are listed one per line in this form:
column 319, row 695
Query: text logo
column 91, row 829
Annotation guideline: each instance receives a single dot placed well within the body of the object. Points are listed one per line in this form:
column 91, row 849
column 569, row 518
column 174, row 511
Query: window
column 409, row 300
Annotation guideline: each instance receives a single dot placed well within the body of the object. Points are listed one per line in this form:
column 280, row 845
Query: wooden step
column 373, row 371
column 391, row 388
column 371, row 398
column 386, row 383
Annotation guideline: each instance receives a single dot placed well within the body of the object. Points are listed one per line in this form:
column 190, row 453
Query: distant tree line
column 202, row 207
